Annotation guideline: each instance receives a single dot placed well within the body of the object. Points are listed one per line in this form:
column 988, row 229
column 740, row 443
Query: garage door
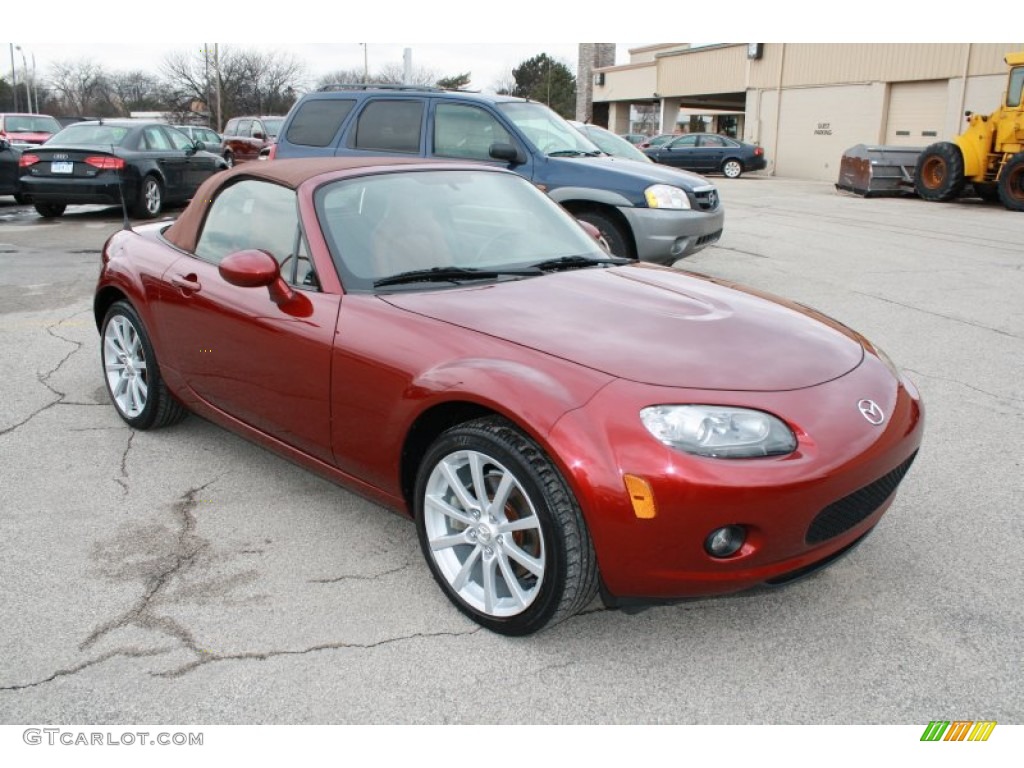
column 917, row 112
column 818, row 124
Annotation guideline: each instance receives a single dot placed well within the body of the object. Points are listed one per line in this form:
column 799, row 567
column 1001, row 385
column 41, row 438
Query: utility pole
column 366, row 63
column 216, row 67
column 14, row 78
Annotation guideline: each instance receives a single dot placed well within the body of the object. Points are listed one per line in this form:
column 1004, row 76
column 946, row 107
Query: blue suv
column 643, row 210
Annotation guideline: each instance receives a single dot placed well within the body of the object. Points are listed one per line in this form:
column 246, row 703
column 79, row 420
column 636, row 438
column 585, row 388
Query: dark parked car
column 609, row 143
column 443, row 338
column 634, row 138
column 20, row 129
column 643, row 211
column 657, row 140
column 148, row 164
column 9, row 156
column 710, row 153
column 244, row 137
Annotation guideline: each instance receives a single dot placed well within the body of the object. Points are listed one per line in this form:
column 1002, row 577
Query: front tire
column 151, row 198
column 500, row 529
column 50, row 210
column 132, row 374
column 1011, row 183
column 613, row 234
column 939, row 174
column 732, row 169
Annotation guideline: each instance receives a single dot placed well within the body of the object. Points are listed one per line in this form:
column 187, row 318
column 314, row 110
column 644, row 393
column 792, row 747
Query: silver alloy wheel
column 732, row 169
column 484, row 533
column 124, row 362
column 151, row 195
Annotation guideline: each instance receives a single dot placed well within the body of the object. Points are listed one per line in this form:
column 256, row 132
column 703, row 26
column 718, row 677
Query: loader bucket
column 875, row 171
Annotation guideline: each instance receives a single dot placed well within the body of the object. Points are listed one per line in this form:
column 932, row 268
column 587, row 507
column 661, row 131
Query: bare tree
column 80, row 86
column 395, row 74
column 251, row 82
column 505, row 85
column 134, row 91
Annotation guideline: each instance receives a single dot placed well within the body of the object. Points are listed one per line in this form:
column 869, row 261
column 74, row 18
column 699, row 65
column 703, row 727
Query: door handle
column 188, row 284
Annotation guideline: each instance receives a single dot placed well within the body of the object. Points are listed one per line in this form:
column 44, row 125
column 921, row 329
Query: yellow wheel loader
column 989, row 154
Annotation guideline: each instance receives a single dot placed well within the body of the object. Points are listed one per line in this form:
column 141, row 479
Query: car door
column 199, row 166
column 267, row 365
column 679, row 153
column 240, row 142
column 157, row 148
column 710, row 152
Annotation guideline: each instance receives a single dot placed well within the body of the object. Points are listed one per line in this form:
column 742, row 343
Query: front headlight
column 720, row 431
column 664, row 196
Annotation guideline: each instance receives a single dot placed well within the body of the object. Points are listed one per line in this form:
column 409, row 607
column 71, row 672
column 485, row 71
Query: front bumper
column 798, row 510
column 663, row 236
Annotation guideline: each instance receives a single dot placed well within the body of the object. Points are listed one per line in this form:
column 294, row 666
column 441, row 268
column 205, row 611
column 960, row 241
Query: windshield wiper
column 576, row 262
column 572, row 153
column 452, row 274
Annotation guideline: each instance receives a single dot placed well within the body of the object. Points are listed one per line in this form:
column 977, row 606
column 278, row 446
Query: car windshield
column 613, row 145
column 273, row 125
column 547, row 130
column 90, row 135
column 30, row 124
column 499, row 224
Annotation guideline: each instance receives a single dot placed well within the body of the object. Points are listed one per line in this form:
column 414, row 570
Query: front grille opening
column 842, row 515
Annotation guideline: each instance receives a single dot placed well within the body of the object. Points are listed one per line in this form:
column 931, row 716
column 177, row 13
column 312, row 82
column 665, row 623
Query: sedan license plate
column 62, row 167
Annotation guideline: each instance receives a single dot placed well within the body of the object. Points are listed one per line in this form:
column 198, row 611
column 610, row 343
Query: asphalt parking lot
column 187, row 576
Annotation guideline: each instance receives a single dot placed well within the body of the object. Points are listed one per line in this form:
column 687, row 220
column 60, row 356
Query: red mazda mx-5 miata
column 446, row 340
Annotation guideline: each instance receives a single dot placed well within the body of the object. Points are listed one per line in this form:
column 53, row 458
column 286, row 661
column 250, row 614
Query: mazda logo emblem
column 869, row 410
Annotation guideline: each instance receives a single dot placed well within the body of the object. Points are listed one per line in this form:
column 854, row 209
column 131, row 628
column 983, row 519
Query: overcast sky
column 486, row 62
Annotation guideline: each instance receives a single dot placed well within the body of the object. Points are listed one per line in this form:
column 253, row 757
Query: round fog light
column 725, row 541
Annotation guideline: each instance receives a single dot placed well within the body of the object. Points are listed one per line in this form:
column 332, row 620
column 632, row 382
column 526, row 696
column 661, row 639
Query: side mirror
column 258, row 135
column 198, row 146
column 254, row 268
column 500, row 150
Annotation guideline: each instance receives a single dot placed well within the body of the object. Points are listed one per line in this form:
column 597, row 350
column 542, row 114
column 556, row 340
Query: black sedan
column 9, row 170
column 709, row 153
column 147, row 164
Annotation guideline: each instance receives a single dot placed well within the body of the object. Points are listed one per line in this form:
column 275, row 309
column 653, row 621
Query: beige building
column 806, row 103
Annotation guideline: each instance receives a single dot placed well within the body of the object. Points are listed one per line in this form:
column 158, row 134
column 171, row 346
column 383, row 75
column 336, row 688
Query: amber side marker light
column 641, row 496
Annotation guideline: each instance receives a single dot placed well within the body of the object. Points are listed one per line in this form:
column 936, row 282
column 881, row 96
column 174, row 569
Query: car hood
column 618, row 172
column 654, row 325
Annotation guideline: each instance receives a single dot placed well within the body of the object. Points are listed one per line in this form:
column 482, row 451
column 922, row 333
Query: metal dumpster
column 875, row 171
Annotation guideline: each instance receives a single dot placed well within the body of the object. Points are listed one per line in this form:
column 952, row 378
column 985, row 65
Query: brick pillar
column 591, row 56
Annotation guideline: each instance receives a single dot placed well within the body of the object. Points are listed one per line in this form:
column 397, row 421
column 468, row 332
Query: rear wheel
column 131, row 372
column 1011, row 183
column 939, row 175
column 151, row 198
column 50, row 210
column 732, row 168
column 229, row 159
column 500, row 529
column 613, row 234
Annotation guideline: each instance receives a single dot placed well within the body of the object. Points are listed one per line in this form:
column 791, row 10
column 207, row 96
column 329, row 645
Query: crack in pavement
column 209, row 658
column 69, row 671
column 938, row 314
column 1007, row 399
column 44, row 378
column 187, row 547
column 123, row 480
column 360, row 577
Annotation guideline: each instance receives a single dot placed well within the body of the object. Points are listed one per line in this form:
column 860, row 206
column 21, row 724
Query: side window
column 209, row 138
column 712, row 141
column 390, row 125
column 257, row 128
column 244, row 128
column 259, row 215
column 156, row 139
column 466, row 131
column 317, row 121
column 1016, row 88
column 685, row 141
column 178, row 139
column 231, row 129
